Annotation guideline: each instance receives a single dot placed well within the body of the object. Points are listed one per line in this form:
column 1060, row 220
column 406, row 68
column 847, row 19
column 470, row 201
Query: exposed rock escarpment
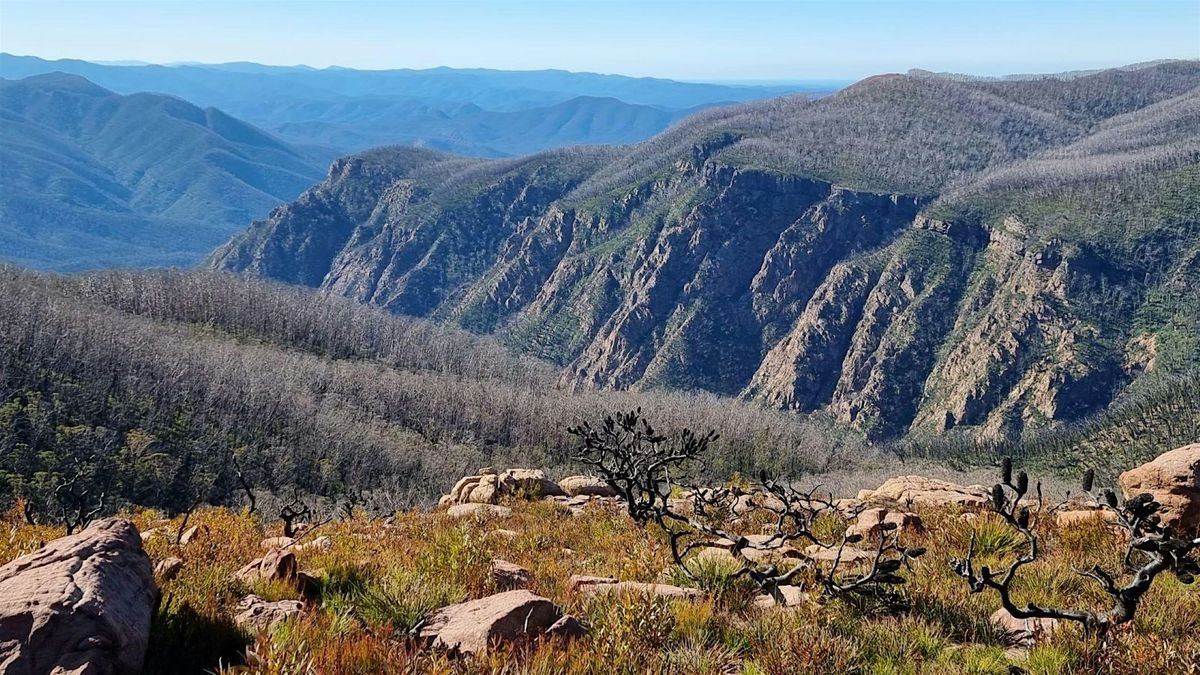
column 751, row 254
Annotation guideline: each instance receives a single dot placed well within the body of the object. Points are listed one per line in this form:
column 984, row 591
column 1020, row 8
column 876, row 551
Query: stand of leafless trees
column 168, row 389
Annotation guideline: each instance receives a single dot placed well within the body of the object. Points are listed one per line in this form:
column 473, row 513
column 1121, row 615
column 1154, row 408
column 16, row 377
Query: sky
column 743, row 40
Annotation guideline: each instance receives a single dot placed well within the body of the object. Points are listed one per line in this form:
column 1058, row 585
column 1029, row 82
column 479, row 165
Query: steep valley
column 869, row 254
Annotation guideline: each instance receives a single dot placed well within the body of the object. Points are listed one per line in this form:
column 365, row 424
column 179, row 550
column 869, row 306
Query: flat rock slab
column 847, row 555
column 478, row 511
column 81, row 604
column 927, row 492
column 257, row 614
column 472, row 627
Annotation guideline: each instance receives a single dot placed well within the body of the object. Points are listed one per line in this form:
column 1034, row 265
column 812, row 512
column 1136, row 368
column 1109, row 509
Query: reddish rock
column 871, row 522
column 1173, row 479
column 474, row 626
column 81, row 604
column 275, row 565
column 509, row 575
column 168, row 569
column 846, row 555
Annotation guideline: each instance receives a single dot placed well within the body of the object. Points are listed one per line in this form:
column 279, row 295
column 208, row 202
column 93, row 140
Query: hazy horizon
column 729, row 42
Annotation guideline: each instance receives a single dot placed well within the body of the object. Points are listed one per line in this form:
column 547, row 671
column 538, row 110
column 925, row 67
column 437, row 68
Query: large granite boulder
column 922, row 491
column 488, row 487
column 1173, row 479
column 472, row 627
column 589, row 486
column 81, row 604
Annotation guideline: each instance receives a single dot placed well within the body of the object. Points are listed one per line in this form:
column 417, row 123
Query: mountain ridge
column 797, row 252
column 478, row 112
column 93, row 178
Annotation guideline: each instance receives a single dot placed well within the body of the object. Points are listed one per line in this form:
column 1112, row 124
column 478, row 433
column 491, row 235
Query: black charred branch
column 647, row 468
column 1152, row 550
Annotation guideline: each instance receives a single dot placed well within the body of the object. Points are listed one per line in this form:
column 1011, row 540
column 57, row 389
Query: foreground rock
column 257, row 614
column 81, row 604
column 872, row 523
column 1022, row 632
column 276, row 565
column 474, row 626
column 927, row 492
column 1173, row 479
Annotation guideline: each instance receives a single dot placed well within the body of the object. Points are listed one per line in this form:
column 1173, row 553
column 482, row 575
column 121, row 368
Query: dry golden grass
column 379, row 579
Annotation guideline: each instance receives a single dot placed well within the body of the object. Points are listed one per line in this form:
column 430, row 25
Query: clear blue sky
column 729, row 40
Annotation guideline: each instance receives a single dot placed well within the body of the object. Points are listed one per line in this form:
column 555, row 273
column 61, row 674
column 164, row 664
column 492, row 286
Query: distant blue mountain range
column 477, row 112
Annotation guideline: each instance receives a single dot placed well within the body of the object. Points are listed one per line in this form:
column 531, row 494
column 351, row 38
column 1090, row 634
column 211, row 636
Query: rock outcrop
column 81, row 604
column 922, row 491
column 870, row 523
column 586, row 486
column 472, row 627
column 489, row 487
column 1173, row 479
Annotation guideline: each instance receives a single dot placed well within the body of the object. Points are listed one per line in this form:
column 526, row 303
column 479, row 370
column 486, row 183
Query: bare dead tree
column 646, row 469
column 78, row 501
column 1152, row 550
column 294, row 510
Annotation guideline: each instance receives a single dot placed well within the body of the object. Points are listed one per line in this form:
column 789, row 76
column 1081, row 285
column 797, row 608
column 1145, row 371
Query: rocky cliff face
column 788, row 290
column 683, row 264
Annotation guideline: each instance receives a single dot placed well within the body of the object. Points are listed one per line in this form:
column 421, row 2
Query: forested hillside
column 914, row 255
column 165, row 389
column 94, row 179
